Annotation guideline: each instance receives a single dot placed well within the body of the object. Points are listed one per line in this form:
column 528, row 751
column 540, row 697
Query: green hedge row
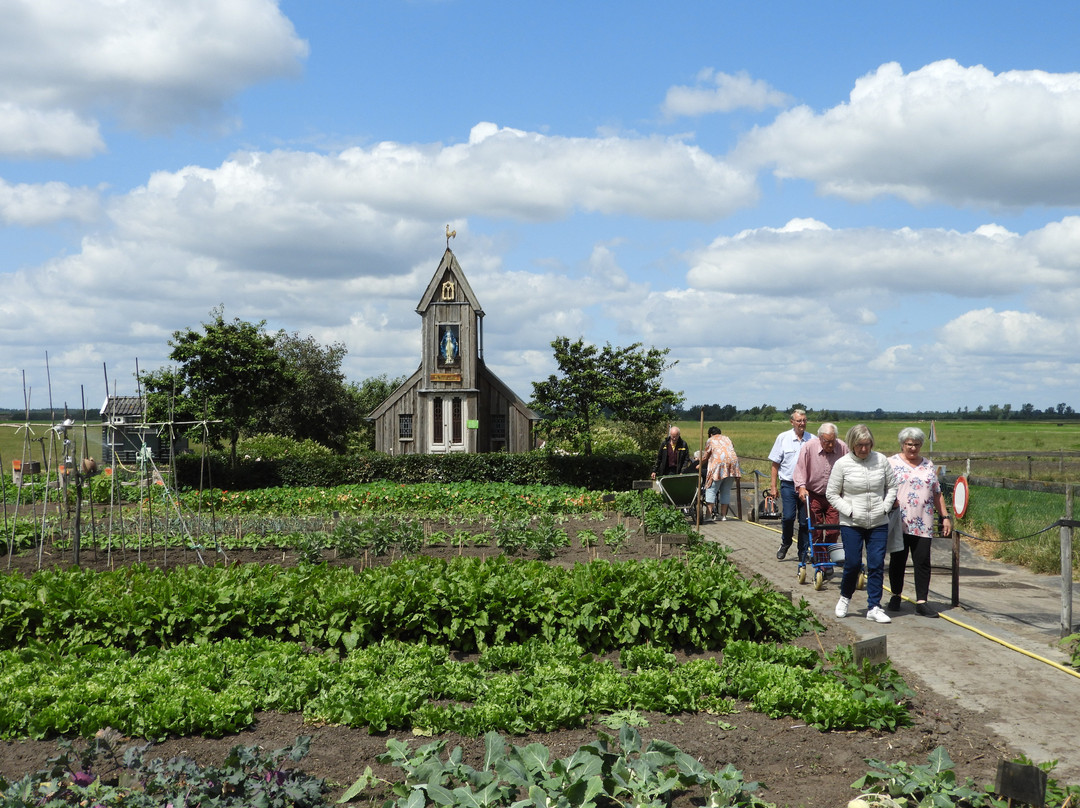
column 465, row 604
column 597, row 473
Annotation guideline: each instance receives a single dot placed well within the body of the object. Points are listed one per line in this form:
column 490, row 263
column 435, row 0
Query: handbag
column 895, row 541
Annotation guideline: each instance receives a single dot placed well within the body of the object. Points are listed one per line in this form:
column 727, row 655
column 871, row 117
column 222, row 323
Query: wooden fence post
column 955, row 568
column 1066, row 567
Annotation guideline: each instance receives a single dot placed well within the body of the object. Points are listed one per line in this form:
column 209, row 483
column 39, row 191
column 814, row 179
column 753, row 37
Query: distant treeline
column 729, row 412
column 767, row 412
column 46, row 416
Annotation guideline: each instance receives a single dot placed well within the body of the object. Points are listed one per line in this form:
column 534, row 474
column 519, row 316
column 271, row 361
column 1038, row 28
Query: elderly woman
column 862, row 488
column 723, row 471
column 919, row 496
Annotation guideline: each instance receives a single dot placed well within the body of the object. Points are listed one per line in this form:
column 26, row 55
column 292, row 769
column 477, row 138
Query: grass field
column 14, row 444
column 755, row 438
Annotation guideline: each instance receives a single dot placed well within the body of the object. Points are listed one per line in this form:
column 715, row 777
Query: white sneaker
column 877, row 614
column 841, row 606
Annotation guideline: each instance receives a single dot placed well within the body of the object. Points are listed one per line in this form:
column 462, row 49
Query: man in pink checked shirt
column 811, row 477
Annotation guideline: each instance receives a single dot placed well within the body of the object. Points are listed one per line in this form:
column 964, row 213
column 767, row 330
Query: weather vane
column 449, row 235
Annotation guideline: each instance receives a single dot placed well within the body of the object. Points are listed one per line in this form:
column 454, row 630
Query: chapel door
column 447, row 424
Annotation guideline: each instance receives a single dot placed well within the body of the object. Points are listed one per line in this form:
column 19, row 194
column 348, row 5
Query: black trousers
column 919, row 549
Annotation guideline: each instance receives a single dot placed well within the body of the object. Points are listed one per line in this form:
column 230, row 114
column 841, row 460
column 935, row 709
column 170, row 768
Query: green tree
column 366, row 396
column 227, row 372
column 315, row 403
column 624, row 384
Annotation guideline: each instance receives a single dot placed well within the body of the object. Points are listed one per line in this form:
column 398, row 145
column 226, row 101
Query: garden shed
column 124, row 432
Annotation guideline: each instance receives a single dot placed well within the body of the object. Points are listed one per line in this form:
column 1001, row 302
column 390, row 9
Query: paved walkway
column 1033, row 705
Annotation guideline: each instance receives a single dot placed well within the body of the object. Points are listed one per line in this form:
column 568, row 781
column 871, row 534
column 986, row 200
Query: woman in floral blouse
column 918, row 499
column 723, row 470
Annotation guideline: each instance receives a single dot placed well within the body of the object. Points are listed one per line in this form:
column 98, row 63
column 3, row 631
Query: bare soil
column 797, row 765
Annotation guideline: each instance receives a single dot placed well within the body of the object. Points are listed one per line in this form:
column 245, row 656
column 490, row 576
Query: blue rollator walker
column 824, row 555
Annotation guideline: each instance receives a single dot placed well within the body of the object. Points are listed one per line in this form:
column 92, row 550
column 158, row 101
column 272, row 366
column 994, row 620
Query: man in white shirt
column 785, row 452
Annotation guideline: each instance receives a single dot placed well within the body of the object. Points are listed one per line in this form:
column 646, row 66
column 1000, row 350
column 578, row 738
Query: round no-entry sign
column 960, row 497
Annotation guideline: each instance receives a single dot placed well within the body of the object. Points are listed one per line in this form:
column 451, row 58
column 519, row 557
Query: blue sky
column 852, row 206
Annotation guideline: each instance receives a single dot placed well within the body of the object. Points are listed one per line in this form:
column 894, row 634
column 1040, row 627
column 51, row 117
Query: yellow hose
column 981, row 633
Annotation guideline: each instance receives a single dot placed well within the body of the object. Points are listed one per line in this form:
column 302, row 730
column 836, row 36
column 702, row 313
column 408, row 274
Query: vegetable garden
column 479, row 613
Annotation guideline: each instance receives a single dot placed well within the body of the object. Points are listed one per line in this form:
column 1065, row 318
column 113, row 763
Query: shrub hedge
column 596, row 472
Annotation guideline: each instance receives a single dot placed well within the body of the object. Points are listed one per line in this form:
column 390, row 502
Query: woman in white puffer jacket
column 862, row 488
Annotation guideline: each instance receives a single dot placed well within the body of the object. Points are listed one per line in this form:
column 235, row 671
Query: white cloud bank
column 293, row 212
column 942, row 133
column 153, row 64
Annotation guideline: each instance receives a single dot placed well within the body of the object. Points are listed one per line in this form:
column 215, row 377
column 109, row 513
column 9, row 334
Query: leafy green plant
column 438, row 538
column 587, row 538
column 546, row 538
column 247, row 777
column 638, row 657
column 601, row 773
column 352, row 536
column 511, row 535
column 615, row 537
column 429, row 500
column 785, row 680
column 665, row 520
column 409, row 535
column 23, row 535
column 309, row 546
column 619, row 717
column 931, row 785
column 464, row 603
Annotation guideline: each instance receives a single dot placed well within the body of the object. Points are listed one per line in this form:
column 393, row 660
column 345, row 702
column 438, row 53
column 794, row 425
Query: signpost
column 875, row 651
column 960, row 504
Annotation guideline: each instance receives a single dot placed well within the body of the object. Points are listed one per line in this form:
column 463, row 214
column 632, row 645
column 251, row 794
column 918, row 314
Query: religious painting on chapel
column 448, row 349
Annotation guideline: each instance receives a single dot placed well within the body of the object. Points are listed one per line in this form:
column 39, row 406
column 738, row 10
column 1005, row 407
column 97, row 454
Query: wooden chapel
column 453, row 402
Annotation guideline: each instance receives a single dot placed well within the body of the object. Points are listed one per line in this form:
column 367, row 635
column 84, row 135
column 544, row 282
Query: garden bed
column 797, row 764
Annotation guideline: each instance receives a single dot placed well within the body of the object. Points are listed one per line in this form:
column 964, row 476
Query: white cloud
column 945, row 132
column 716, row 91
column 527, row 175
column 28, row 133
column 335, row 215
column 815, row 258
column 991, row 333
column 30, row 205
column 894, row 359
column 154, row 63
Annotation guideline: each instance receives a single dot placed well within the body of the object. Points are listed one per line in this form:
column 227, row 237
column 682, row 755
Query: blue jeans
column 874, row 540
column 793, row 508
column 722, row 488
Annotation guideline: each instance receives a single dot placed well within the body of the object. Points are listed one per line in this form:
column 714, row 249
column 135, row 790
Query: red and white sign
column 960, row 497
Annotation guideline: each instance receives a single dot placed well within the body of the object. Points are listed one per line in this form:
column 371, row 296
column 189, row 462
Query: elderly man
column 811, row 477
column 674, row 455
column 785, row 452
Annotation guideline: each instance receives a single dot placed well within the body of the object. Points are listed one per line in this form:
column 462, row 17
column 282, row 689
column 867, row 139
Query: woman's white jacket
column 862, row 491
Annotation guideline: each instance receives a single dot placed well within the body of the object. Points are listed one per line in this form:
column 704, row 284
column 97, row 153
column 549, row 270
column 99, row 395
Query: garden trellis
column 66, row 477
